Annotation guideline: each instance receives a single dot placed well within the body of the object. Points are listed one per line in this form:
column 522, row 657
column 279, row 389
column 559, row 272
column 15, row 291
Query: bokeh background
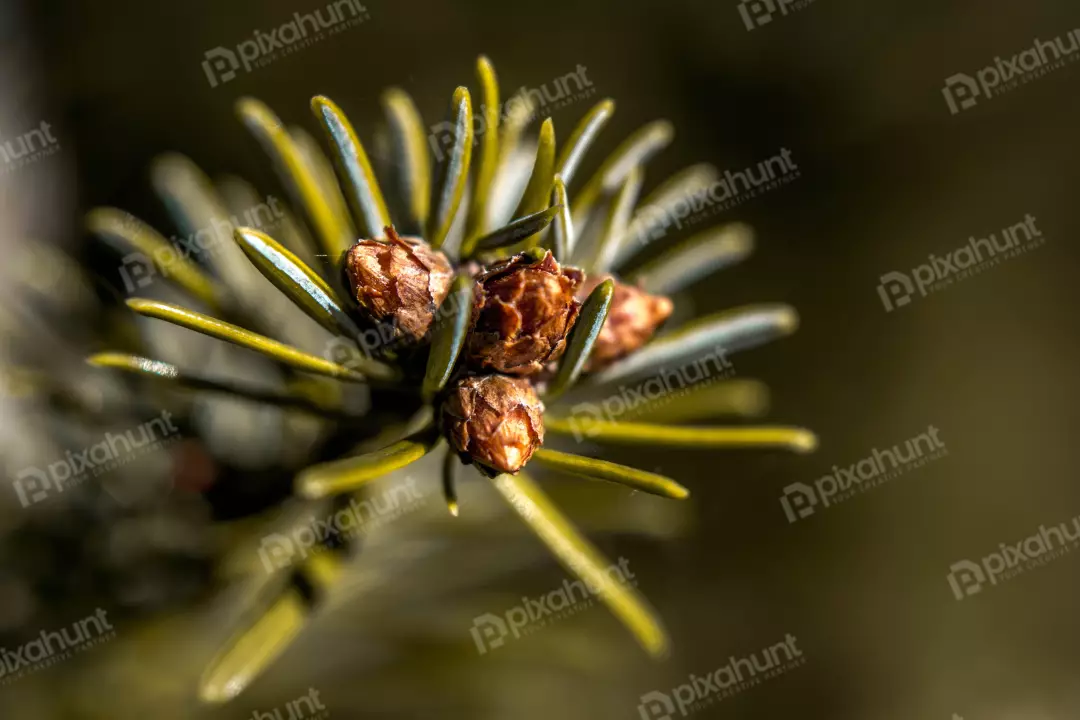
column 887, row 176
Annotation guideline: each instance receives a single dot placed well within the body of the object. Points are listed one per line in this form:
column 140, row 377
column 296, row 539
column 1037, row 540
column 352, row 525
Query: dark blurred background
column 888, row 175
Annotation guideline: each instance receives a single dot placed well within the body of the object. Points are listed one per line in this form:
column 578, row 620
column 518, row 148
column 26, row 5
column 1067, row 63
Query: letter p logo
column 32, row 486
column 343, row 352
column 441, row 137
column 965, row 578
column 584, row 419
column 488, row 632
column 656, row 706
column 798, row 501
column 137, row 271
column 276, row 551
column 220, row 66
column 756, row 13
column 895, row 290
column 961, row 93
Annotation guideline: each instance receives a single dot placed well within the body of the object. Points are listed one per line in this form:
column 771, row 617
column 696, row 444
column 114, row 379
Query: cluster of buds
column 524, row 308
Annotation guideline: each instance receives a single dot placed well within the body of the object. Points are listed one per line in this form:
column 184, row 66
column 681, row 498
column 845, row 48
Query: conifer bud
column 494, row 421
column 523, row 311
column 399, row 282
column 632, row 320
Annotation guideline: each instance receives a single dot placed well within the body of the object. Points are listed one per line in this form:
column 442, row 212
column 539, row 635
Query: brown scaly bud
column 399, row 281
column 632, row 320
column 494, row 421
column 523, row 311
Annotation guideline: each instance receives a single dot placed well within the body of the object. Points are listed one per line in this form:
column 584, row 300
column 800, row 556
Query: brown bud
column 523, row 311
column 632, row 319
column 494, row 421
column 400, row 282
